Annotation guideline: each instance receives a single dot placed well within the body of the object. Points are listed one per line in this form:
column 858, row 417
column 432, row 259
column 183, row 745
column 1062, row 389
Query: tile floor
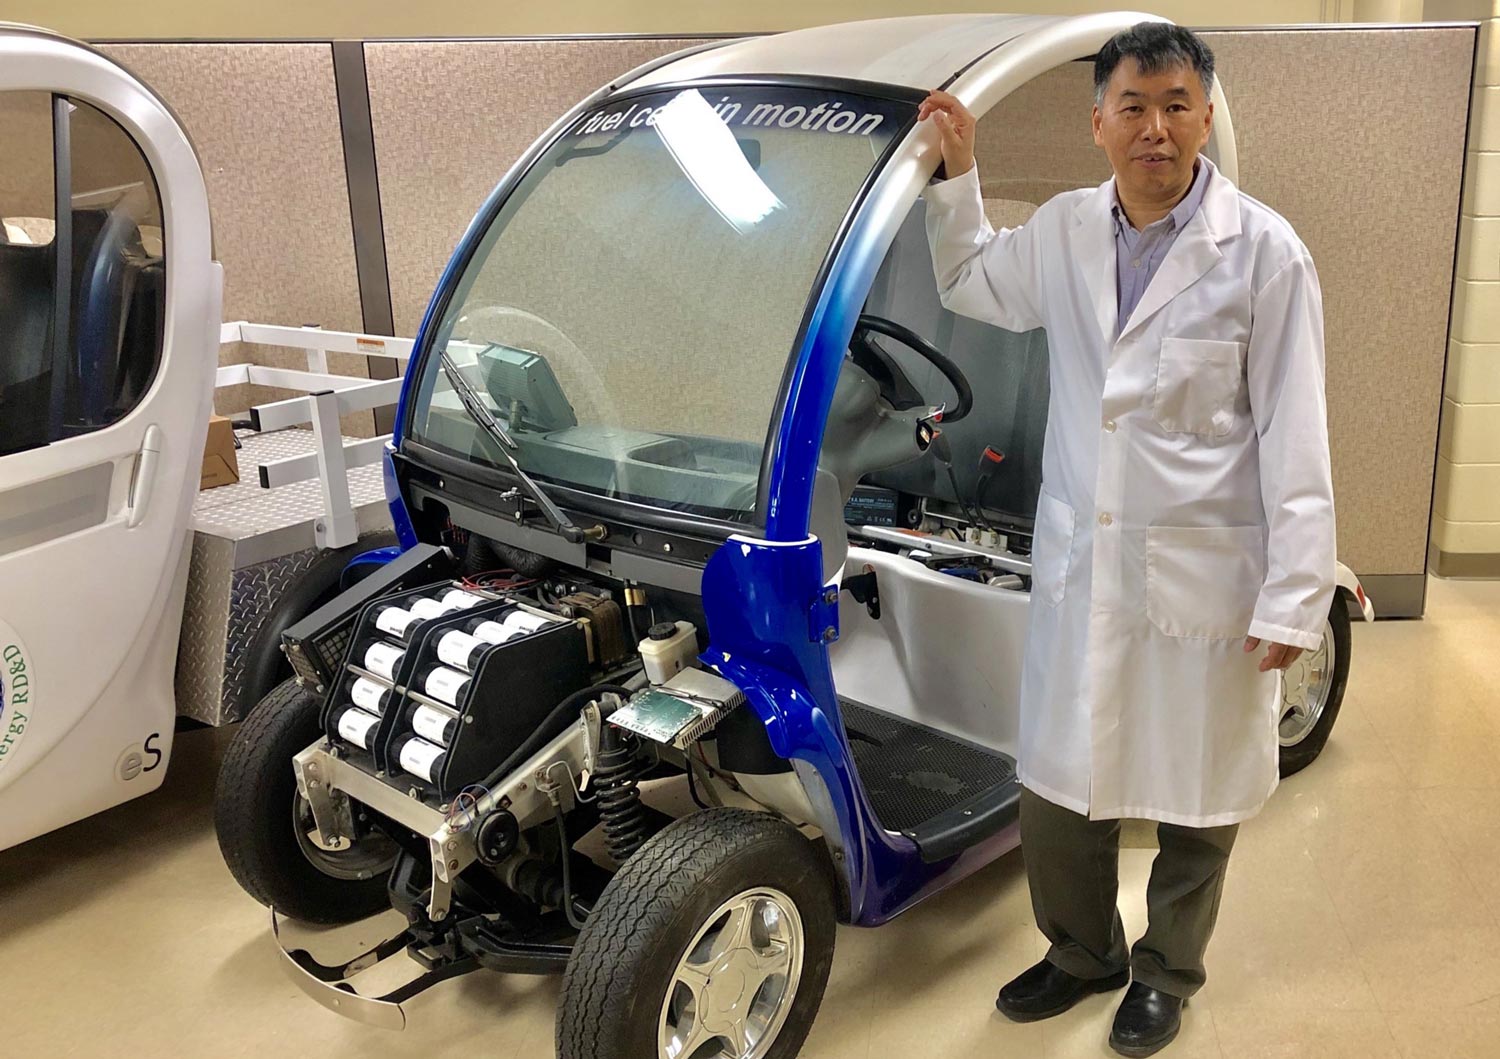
column 1361, row 918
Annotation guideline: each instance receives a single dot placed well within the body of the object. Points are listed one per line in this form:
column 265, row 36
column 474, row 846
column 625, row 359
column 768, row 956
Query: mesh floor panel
column 911, row 772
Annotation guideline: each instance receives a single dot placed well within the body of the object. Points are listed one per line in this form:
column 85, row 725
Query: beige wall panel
column 471, row 18
column 1378, row 11
column 265, row 121
column 1466, row 537
column 1479, row 248
column 1487, row 67
column 27, row 182
column 1476, row 311
column 1473, row 373
column 1038, row 141
column 1482, row 185
column 1302, row 118
column 1471, row 432
column 1485, row 120
column 443, row 142
column 1459, row 10
column 1470, row 492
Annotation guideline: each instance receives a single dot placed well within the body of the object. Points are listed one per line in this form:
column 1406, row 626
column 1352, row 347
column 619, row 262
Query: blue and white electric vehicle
column 701, row 495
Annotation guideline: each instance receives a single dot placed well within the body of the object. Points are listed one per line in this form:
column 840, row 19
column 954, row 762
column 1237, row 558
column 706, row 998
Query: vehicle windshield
column 628, row 315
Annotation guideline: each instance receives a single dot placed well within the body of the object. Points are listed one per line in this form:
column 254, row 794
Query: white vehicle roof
column 922, row 51
column 979, row 58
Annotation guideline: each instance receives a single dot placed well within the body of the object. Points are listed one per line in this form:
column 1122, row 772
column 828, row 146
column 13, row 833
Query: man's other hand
column 957, row 126
column 1278, row 655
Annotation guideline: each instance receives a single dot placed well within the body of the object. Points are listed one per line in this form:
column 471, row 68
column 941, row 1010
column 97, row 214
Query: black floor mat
column 911, row 772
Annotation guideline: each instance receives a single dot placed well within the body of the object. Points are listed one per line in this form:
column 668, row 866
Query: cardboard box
column 220, row 467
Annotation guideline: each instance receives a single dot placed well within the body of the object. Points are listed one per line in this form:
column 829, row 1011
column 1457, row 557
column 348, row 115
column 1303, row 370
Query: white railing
column 329, row 396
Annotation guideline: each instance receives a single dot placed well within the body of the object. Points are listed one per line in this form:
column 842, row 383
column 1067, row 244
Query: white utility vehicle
column 128, row 598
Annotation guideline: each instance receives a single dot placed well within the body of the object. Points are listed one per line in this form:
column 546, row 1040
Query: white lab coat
column 1186, row 496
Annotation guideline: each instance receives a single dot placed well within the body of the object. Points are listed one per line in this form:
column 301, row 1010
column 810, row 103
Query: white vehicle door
column 109, row 318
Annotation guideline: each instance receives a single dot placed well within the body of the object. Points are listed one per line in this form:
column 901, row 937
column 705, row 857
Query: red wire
column 497, row 580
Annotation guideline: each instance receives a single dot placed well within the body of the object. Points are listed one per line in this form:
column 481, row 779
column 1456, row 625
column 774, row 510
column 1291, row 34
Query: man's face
column 1152, row 127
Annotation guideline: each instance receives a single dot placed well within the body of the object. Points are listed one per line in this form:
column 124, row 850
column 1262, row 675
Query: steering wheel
column 869, row 324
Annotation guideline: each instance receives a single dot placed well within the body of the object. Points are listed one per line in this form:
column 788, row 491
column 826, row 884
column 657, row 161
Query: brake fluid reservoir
column 668, row 649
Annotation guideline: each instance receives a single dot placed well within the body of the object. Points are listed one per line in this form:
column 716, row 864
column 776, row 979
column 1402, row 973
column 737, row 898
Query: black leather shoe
column 1147, row 1021
column 1046, row 990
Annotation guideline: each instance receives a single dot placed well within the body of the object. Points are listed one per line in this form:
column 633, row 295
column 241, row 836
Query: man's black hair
column 1156, row 46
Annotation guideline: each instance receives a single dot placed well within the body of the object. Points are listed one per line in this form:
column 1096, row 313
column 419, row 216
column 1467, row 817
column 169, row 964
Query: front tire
column 1313, row 691
column 714, row 939
column 265, row 829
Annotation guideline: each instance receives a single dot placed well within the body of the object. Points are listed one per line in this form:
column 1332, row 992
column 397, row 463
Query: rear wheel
column 1312, row 690
column 713, row 941
column 265, row 826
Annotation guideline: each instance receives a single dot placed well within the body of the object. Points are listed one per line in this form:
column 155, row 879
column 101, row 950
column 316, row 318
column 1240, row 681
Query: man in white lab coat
column 1185, row 519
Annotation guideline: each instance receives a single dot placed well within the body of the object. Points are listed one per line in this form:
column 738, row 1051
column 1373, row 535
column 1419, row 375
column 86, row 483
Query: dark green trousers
column 1072, row 865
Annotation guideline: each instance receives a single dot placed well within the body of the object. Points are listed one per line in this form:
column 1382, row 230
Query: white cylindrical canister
column 494, row 632
column 445, row 685
column 457, row 648
column 458, row 599
column 394, row 620
column 382, row 659
column 357, row 726
column 427, row 608
column 368, row 695
column 524, row 621
column 432, row 724
column 421, row 758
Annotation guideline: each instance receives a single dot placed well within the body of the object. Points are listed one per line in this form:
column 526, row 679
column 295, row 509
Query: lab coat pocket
column 1203, row 582
column 1050, row 548
column 1197, row 381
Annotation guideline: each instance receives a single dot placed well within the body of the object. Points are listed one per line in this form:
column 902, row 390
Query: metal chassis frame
column 328, row 781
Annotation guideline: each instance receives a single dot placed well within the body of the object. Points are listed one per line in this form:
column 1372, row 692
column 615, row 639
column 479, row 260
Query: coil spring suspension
column 621, row 813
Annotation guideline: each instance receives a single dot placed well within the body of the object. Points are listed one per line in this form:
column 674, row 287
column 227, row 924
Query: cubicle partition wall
column 1374, row 191
column 416, row 133
column 451, row 116
column 265, row 120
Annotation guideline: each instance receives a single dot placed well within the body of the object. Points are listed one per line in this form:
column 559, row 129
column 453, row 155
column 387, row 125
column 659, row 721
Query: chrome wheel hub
column 1305, row 687
column 733, row 988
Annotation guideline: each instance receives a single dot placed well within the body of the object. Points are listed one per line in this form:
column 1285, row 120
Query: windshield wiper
column 506, row 444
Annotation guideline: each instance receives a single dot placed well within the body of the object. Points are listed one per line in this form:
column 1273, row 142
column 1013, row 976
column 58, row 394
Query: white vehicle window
column 81, row 272
column 630, row 311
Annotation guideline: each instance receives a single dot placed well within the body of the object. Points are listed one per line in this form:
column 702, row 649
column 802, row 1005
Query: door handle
column 144, row 478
